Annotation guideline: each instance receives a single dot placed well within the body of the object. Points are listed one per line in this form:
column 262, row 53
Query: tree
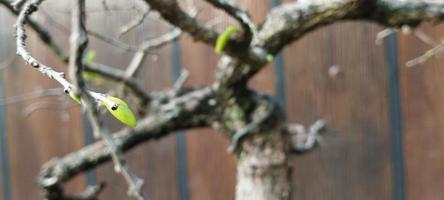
column 260, row 137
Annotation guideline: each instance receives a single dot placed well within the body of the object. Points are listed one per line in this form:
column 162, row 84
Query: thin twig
column 28, row 9
column 147, row 46
column 32, row 95
column 303, row 140
column 78, row 45
column 112, row 41
column 134, row 23
column 381, row 35
column 45, row 105
column 240, row 15
column 182, row 79
column 425, row 38
column 17, row 4
column 438, row 49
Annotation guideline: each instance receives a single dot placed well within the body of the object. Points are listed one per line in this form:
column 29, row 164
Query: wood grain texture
column 423, row 114
column 211, row 170
column 354, row 162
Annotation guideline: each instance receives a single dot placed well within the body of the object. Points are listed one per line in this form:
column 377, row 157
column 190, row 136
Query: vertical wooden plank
column 279, row 70
column 156, row 161
column 5, row 192
column 211, row 170
column 391, row 53
column 423, row 113
column 176, row 59
column 354, row 162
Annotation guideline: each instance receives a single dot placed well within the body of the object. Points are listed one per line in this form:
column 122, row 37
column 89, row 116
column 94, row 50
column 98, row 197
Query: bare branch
column 32, row 95
column 425, row 38
column 184, row 109
column 28, row 9
column 381, row 35
column 171, row 11
column 255, row 125
column 134, row 23
column 17, row 4
column 427, row 55
column 79, row 41
column 303, row 140
column 105, row 71
column 112, row 41
column 240, row 15
column 181, row 80
column 42, row 33
column 288, row 22
column 146, row 46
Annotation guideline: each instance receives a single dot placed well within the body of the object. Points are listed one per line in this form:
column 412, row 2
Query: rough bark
column 253, row 122
column 262, row 168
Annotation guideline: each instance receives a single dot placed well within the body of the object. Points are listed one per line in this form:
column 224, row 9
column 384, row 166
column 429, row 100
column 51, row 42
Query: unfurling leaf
column 121, row 111
column 223, row 39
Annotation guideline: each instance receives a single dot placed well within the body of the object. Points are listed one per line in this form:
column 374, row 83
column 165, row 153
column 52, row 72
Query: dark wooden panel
column 211, row 170
column 354, row 162
column 423, row 112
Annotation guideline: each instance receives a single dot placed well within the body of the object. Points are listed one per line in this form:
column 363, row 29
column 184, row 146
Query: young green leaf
column 223, row 39
column 121, row 111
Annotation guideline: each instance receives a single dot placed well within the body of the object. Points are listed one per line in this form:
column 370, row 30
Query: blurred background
column 388, row 120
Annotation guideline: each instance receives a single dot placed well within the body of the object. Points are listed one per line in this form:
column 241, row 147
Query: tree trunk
column 262, row 167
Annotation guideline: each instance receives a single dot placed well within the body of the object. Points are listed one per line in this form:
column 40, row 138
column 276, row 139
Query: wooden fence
column 388, row 120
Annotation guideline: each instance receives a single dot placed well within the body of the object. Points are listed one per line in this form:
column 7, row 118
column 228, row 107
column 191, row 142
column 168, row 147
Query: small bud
column 114, row 107
column 120, row 110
